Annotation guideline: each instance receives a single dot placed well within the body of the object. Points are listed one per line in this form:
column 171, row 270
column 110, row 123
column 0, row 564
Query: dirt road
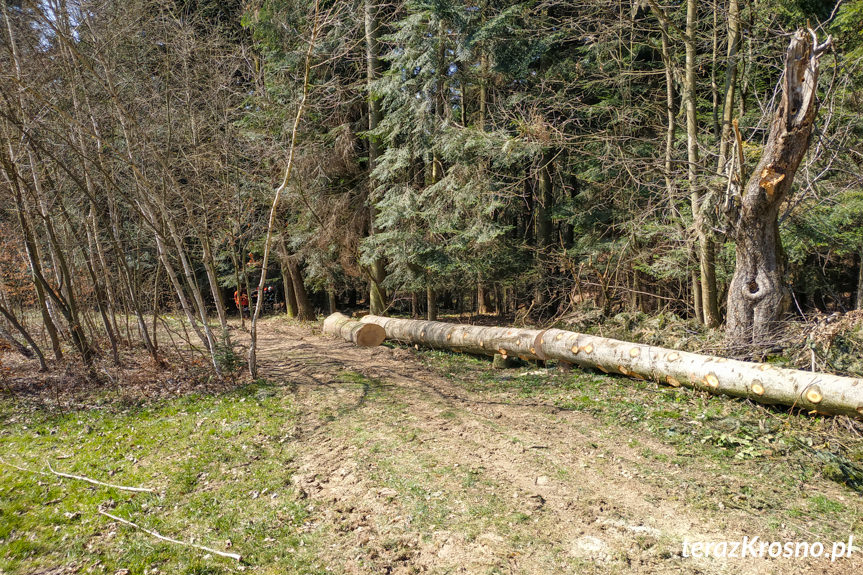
column 406, row 470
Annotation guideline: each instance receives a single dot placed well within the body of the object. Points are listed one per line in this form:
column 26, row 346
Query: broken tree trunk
column 757, row 296
column 764, row 383
column 362, row 334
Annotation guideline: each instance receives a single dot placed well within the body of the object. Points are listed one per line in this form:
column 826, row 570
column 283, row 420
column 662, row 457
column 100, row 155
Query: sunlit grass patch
column 221, row 465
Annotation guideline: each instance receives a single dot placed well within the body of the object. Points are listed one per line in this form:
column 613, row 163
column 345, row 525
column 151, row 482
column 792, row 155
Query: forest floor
column 394, row 460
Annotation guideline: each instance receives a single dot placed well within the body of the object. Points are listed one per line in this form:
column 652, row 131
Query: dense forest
column 536, row 160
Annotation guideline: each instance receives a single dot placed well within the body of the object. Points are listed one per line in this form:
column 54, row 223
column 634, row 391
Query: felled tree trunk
column 763, row 382
column 362, row 334
column 479, row 340
column 757, row 296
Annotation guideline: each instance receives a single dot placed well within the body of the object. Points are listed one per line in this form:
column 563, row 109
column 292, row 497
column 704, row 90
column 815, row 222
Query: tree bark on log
column 361, row 334
column 763, row 383
column 475, row 339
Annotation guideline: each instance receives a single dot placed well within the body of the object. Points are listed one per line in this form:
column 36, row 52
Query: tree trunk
column 710, row 307
column 377, row 293
column 10, row 340
column 354, row 331
column 763, row 383
column 859, row 301
column 757, row 294
column 483, row 301
column 332, row 304
column 544, row 203
column 730, row 81
column 287, row 281
column 305, row 310
column 26, row 335
column 290, row 298
column 431, row 303
column 377, row 271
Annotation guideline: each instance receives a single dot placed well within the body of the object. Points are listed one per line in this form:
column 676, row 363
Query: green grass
column 221, row 464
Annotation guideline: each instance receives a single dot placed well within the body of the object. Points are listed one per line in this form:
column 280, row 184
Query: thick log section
column 760, row 382
column 362, row 334
column 475, row 339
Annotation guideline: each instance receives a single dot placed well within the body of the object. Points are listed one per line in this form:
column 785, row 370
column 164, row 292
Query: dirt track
column 406, row 471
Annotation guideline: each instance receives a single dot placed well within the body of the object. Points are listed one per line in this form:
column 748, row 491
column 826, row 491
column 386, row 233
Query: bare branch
column 94, row 482
column 157, row 535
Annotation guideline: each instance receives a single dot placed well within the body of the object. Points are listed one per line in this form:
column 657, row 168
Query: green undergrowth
column 663, row 329
column 221, row 466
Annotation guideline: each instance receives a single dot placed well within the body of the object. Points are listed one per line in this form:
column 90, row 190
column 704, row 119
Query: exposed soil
column 406, row 468
column 406, row 471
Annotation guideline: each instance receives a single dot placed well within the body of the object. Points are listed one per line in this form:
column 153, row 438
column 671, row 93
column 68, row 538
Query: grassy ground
column 221, row 464
column 370, row 461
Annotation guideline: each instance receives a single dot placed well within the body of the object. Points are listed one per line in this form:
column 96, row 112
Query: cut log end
column 370, row 337
column 359, row 333
column 814, row 395
column 711, row 380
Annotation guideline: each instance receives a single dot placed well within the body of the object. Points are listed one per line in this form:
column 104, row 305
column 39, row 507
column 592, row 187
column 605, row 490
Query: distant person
column 241, row 299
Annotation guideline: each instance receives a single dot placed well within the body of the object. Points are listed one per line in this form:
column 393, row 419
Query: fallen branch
column 168, row 539
column 24, row 469
column 94, row 482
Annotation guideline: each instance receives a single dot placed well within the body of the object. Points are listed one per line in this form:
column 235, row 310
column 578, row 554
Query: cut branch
column 24, row 469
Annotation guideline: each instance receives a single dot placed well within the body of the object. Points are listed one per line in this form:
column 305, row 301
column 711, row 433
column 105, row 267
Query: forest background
column 545, row 161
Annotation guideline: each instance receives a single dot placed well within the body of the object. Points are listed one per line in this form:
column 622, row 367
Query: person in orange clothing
column 241, row 299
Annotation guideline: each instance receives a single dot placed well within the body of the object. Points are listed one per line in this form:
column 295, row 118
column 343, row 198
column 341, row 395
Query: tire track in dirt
column 583, row 500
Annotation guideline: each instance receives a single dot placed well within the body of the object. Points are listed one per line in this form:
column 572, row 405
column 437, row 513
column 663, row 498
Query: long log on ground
column 760, row 382
column 362, row 334
column 475, row 339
